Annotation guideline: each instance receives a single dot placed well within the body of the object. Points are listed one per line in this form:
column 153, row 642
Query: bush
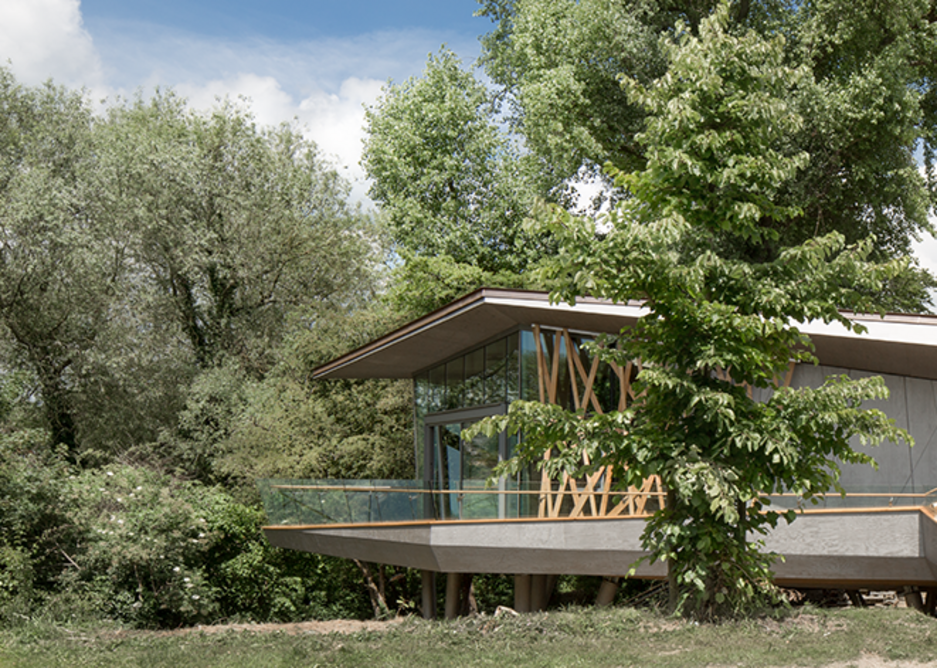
column 160, row 552
column 136, row 545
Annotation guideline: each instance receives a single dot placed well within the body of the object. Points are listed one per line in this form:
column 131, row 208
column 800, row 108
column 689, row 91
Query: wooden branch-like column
column 595, row 497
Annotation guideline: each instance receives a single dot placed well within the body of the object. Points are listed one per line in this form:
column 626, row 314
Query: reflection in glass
column 529, row 390
column 448, row 467
column 436, row 394
column 420, row 393
column 495, row 372
column 454, row 384
column 511, row 369
column 475, row 378
column 479, row 457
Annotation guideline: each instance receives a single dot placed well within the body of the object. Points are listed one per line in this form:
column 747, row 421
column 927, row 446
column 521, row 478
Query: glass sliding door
column 459, row 468
column 447, row 469
column 480, row 455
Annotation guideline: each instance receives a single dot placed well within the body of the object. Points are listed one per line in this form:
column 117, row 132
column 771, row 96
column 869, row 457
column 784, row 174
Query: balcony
column 869, row 538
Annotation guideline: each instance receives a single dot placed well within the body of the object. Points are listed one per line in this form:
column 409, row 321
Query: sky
column 316, row 61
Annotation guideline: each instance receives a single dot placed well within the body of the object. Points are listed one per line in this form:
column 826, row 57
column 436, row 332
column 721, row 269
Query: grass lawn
column 584, row 637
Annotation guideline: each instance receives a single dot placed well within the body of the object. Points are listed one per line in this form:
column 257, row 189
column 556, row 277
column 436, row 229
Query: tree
column 291, row 426
column 161, row 272
column 143, row 247
column 237, row 227
column 867, row 102
column 715, row 323
column 452, row 187
column 59, row 267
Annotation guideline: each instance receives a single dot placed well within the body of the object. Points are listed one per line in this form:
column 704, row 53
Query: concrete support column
column 428, row 581
column 538, row 585
column 541, row 589
column 453, row 590
column 551, row 585
column 522, row 593
column 930, row 603
column 607, row 591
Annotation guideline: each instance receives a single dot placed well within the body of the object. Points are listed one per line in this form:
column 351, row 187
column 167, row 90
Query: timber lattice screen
column 592, row 495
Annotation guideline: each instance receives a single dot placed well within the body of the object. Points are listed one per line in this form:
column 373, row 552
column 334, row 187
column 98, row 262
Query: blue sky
column 287, row 20
column 314, row 61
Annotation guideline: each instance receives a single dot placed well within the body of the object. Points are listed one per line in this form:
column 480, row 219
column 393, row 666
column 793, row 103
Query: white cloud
column 46, row 38
column 323, row 84
column 268, row 102
column 926, row 252
column 335, row 121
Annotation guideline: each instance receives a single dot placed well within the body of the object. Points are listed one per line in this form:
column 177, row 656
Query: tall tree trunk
column 375, row 591
column 57, row 406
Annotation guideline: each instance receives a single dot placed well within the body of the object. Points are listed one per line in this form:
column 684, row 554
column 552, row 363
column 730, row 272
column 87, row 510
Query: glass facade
column 451, row 396
column 569, row 386
column 486, row 375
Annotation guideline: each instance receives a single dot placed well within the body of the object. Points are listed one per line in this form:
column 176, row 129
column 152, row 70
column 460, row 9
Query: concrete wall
column 913, row 406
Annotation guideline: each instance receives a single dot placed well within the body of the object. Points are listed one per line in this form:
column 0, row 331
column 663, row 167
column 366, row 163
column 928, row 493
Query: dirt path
column 296, row 628
column 870, row 661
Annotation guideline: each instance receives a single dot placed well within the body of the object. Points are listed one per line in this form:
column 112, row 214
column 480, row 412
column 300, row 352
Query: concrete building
column 473, row 357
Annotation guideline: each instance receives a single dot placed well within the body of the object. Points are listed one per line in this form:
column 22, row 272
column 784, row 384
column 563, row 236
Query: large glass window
column 474, row 378
column 451, row 396
column 486, row 375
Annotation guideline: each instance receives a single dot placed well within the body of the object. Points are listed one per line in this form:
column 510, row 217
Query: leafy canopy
column 864, row 96
column 452, row 187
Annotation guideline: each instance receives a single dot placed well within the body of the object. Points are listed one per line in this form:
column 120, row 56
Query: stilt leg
column 607, row 591
column 522, row 593
column 538, row 588
column 453, row 589
column 913, row 598
column 428, row 581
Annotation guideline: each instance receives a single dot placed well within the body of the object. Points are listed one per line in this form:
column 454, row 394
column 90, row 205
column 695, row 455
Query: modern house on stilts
column 473, row 357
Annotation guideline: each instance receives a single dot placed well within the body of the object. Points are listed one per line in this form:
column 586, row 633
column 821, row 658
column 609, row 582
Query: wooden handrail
column 402, row 490
column 339, row 488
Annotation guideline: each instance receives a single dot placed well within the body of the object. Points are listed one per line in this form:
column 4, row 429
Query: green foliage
column 424, row 283
column 152, row 243
column 134, row 545
column 452, row 187
column 714, row 323
column 448, row 182
column 57, row 266
column 214, row 399
column 157, row 264
column 559, row 64
column 864, row 96
column 141, row 552
column 236, row 225
column 716, row 134
column 292, row 426
column 31, row 518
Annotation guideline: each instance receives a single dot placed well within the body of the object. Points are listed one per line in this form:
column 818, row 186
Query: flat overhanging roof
column 896, row 344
